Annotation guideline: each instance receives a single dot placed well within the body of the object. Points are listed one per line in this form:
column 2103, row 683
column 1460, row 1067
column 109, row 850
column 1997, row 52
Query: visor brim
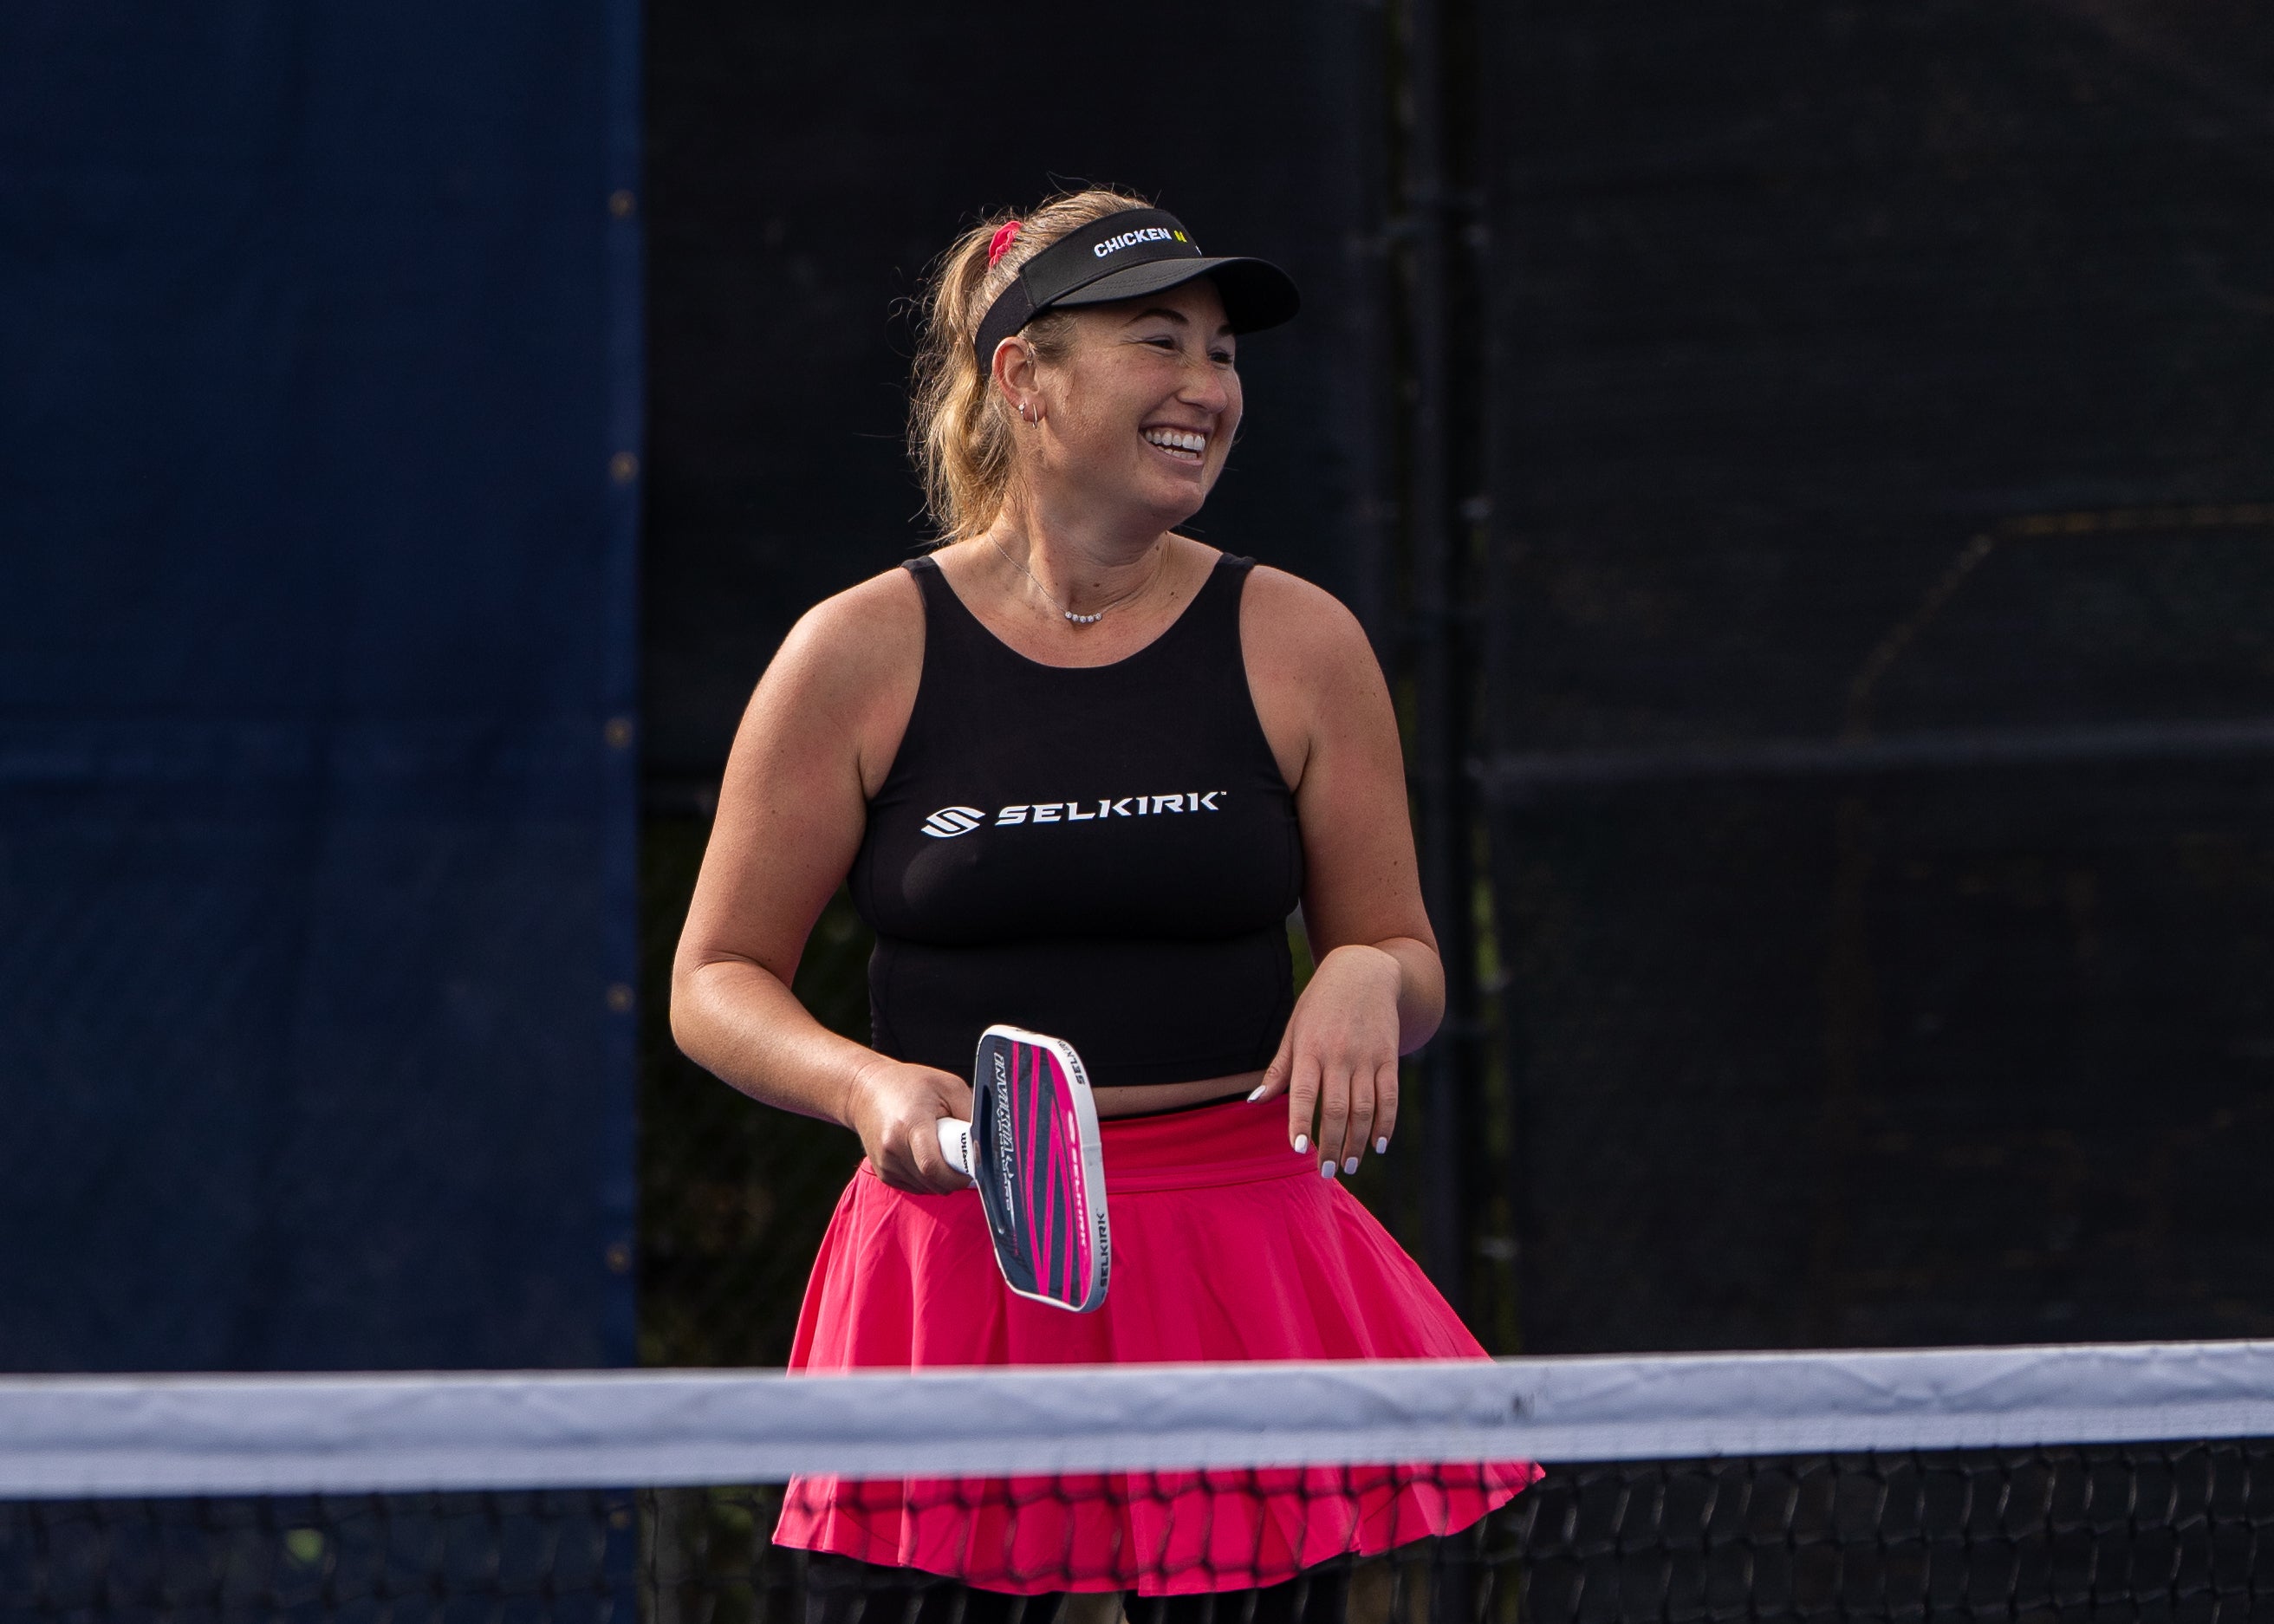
column 1256, row 293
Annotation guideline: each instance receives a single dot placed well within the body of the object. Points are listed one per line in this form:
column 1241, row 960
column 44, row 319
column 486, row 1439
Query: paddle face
column 1041, row 1176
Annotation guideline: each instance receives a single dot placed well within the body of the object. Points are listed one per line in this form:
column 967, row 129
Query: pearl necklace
column 1078, row 620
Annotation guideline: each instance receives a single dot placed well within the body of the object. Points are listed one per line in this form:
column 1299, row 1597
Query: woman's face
column 1142, row 408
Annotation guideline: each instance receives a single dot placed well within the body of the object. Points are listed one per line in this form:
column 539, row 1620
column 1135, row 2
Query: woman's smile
column 1188, row 446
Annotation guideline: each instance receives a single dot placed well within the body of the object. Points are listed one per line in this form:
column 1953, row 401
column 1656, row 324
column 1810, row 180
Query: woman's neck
column 1078, row 568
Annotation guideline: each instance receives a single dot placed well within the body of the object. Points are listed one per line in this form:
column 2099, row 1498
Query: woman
column 1079, row 769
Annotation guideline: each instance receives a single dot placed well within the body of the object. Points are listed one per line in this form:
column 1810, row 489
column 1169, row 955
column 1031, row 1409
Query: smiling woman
column 1023, row 277
column 1079, row 769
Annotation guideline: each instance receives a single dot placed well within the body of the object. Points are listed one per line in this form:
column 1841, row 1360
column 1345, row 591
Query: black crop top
column 1106, row 853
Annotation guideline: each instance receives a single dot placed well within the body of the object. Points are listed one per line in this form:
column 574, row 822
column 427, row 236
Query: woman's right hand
column 895, row 1107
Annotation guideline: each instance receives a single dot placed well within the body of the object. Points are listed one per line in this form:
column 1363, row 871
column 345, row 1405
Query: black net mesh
column 452, row 1559
column 2177, row 1531
column 2156, row 1532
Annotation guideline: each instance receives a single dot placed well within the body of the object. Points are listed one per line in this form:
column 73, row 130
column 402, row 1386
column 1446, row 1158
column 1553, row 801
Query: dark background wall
column 316, row 685
column 1884, row 666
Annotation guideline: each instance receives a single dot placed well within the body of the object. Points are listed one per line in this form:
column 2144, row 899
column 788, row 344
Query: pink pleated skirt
column 1226, row 1245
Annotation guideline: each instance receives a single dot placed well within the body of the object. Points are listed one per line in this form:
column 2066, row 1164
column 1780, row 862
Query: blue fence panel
column 317, row 768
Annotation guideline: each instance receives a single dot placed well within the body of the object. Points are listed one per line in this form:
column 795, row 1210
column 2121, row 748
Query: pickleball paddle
column 1032, row 1147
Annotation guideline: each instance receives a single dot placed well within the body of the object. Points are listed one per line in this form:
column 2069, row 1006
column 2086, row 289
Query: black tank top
column 1104, row 853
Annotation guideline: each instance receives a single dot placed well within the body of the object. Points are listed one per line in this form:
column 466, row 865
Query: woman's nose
column 1205, row 386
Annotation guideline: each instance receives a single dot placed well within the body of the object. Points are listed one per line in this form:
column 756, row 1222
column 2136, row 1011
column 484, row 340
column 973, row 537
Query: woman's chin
column 1165, row 497
column 1169, row 518
column 1176, row 491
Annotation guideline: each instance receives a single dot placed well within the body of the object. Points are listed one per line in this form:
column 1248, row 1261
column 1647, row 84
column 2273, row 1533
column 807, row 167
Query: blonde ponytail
column 959, row 426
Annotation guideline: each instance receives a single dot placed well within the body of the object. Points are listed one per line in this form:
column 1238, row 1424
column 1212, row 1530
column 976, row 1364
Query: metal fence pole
column 1443, row 418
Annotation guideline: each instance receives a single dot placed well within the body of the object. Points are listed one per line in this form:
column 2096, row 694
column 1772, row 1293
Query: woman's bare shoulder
column 865, row 635
column 1310, row 671
column 844, row 680
column 1298, row 626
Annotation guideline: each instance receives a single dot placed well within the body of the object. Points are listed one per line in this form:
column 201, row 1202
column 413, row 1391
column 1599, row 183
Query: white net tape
column 74, row 1436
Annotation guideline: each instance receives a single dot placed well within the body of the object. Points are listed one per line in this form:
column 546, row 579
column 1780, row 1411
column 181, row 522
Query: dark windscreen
column 1882, row 720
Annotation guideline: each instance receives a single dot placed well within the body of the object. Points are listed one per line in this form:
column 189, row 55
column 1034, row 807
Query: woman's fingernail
column 1302, row 1143
column 1326, row 1169
column 1350, row 1165
column 1258, row 1095
column 1381, row 1146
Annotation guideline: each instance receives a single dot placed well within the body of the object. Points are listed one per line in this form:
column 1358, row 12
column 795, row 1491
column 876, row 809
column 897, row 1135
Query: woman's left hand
column 1339, row 1059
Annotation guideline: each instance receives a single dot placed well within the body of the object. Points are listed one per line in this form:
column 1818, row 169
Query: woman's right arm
column 818, row 737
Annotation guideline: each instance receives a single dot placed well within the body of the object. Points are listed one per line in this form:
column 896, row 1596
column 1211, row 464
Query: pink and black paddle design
column 1032, row 1148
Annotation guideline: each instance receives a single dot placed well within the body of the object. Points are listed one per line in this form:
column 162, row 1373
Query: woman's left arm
column 1379, row 990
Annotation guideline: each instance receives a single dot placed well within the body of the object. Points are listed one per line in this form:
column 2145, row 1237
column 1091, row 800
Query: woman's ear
column 1016, row 370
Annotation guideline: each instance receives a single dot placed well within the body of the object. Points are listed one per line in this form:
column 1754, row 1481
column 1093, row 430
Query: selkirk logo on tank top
column 950, row 822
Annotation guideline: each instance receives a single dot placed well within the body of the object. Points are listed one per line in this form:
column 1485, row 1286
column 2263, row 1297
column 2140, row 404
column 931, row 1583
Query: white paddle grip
column 955, row 1143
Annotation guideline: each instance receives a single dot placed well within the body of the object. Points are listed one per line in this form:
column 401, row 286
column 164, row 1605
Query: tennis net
column 2085, row 1482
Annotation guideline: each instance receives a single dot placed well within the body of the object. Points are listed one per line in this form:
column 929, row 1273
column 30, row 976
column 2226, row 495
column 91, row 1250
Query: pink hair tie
column 1000, row 242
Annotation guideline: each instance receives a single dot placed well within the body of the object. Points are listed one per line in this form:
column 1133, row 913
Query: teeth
column 1178, row 439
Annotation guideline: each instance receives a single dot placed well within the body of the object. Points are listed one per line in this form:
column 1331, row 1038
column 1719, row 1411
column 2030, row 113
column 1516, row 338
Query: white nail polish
column 1326, row 1169
column 1258, row 1095
column 1381, row 1146
column 1350, row 1165
column 1302, row 1143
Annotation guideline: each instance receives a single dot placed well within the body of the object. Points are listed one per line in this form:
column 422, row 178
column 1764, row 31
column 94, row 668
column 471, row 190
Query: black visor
column 1125, row 256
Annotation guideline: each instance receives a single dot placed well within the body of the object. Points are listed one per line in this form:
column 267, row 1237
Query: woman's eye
column 1222, row 357
column 1162, row 344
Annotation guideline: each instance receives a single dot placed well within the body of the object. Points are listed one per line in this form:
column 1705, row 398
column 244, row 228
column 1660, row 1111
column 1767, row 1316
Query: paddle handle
column 955, row 1143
